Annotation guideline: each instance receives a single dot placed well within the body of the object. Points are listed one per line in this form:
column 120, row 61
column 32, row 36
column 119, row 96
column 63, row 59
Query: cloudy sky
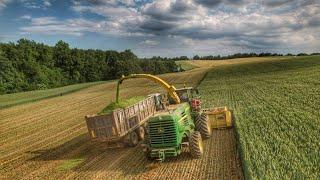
column 167, row 27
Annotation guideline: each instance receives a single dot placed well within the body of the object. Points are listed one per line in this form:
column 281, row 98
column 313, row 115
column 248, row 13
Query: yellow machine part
column 170, row 88
column 220, row 117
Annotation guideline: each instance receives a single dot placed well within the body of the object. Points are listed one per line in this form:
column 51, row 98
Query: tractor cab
column 190, row 95
column 161, row 101
column 187, row 94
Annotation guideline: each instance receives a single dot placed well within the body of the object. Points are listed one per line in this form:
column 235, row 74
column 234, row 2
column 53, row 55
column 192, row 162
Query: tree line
column 28, row 65
column 233, row 56
column 246, row 55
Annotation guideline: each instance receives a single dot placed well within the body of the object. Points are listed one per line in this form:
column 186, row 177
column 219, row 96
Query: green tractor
column 177, row 123
column 181, row 125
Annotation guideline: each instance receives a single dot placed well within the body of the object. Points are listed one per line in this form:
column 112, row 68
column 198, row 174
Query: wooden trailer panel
column 101, row 126
column 114, row 126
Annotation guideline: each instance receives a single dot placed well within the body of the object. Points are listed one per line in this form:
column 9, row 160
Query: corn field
column 277, row 112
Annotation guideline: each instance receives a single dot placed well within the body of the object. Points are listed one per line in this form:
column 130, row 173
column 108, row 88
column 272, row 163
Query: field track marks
column 13, row 115
column 13, row 156
column 32, row 132
column 220, row 161
column 48, row 160
column 66, row 123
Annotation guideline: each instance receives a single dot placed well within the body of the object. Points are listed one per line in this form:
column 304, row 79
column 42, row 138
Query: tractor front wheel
column 133, row 139
column 196, row 144
column 141, row 133
column 203, row 125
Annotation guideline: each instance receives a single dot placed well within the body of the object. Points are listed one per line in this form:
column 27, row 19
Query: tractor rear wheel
column 141, row 133
column 133, row 139
column 196, row 144
column 203, row 125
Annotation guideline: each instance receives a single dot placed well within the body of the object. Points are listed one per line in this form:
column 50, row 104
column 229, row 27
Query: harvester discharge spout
column 169, row 88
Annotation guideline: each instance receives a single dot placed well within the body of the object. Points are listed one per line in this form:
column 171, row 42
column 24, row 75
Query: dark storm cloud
column 127, row 3
column 233, row 23
column 155, row 26
column 176, row 11
column 236, row 2
column 276, row 3
column 209, row 3
column 90, row 2
column 162, row 20
column 251, row 33
column 161, row 16
column 214, row 3
column 180, row 7
column 203, row 34
column 96, row 2
column 308, row 2
column 314, row 22
column 290, row 4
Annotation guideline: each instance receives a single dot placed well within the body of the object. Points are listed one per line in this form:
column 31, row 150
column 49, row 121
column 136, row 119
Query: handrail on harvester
column 170, row 88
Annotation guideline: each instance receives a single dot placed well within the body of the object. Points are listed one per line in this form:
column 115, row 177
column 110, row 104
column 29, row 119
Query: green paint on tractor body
column 167, row 132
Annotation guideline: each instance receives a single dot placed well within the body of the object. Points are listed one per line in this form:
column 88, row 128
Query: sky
column 167, row 27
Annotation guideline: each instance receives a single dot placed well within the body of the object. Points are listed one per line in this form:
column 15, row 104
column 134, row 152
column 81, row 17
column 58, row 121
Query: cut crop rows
column 39, row 137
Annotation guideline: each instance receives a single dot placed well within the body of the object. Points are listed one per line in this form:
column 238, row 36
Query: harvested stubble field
column 48, row 139
column 9, row 100
column 277, row 122
column 277, row 111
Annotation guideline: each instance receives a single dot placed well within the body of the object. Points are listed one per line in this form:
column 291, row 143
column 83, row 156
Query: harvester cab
column 219, row 117
column 190, row 95
column 161, row 101
column 187, row 94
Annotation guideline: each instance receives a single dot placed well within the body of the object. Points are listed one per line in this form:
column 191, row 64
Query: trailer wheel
column 203, row 125
column 133, row 139
column 141, row 133
column 196, row 144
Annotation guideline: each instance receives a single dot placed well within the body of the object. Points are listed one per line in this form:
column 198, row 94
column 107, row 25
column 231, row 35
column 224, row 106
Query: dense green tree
column 196, row 57
column 28, row 65
column 11, row 80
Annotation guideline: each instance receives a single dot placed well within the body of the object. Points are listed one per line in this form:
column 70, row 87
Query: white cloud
column 128, row 2
column 43, row 4
column 149, row 42
column 45, row 21
column 27, row 17
column 116, row 12
column 4, row 3
column 47, row 3
column 52, row 26
column 76, row 27
column 231, row 25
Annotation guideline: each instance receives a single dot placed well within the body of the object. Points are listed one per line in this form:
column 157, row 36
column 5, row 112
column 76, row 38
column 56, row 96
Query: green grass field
column 8, row 100
column 185, row 65
column 277, row 111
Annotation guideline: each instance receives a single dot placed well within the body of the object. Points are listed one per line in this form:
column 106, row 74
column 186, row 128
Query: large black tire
column 141, row 133
column 133, row 139
column 197, row 121
column 203, row 125
column 196, row 145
